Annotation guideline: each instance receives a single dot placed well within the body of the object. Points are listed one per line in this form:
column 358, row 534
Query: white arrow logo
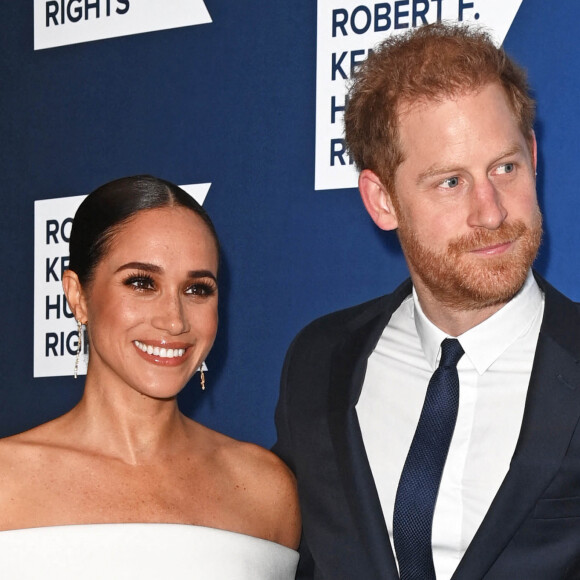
column 61, row 22
column 197, row 190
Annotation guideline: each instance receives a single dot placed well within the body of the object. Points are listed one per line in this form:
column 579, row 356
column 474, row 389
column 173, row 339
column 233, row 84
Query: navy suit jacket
column 532, row 528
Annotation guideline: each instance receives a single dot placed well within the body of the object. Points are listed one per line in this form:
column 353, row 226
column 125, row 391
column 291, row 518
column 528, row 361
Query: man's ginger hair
column 426, row 64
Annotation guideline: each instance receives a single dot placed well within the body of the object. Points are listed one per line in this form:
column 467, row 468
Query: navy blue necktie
column 421, row 476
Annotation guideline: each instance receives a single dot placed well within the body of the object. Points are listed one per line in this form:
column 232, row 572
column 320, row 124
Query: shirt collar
column 485, row 343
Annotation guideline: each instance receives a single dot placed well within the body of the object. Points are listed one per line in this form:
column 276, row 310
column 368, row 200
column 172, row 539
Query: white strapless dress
column 141, row 552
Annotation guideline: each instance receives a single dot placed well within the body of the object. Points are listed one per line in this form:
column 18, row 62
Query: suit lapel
column 550, row 416
column 347, row 376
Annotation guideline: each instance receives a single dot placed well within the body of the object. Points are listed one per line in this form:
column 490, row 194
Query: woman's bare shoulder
column 274, row 490
column 259, row 464
column 26, row 462
column 249, row 460
column 26, row 448
column 262, row 482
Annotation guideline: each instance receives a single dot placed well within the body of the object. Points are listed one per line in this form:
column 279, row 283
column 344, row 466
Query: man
column 407, row 464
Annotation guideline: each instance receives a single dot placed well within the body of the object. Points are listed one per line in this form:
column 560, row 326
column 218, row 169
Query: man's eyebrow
column 435, row 169
column 513, row 150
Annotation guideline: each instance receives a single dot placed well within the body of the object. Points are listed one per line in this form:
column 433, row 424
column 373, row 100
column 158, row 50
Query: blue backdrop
column 232, row 103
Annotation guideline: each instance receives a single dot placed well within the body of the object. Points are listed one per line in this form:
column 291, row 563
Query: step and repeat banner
column 241, row 103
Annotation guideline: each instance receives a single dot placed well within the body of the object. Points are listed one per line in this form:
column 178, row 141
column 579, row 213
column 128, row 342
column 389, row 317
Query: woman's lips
column 166, row 354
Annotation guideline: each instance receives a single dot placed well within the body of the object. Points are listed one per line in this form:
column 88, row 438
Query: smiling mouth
column 495, row 248
column 158, row 351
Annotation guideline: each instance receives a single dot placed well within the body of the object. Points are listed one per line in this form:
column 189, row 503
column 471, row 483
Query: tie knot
column 451, row 352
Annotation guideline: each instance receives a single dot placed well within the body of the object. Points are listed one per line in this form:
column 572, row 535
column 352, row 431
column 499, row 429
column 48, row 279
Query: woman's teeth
column 159, row 351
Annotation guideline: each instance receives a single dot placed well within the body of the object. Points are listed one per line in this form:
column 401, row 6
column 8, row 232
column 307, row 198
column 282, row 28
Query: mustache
column 482, row 238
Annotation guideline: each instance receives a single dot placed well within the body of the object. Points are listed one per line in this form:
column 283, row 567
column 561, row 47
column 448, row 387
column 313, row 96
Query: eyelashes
column 202, row 289
column 140, row 281
column 144, row 282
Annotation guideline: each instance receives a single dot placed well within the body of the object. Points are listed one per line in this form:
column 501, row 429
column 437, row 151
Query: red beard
column 463, row 281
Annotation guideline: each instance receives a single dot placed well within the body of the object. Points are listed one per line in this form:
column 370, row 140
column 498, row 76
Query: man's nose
column 486, row 208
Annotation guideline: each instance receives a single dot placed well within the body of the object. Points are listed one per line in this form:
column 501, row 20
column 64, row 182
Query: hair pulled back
column 103, row 212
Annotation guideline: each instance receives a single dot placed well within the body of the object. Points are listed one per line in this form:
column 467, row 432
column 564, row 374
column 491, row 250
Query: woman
column 143, row 279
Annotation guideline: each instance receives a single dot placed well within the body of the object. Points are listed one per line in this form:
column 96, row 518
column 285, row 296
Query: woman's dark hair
column 106, row 209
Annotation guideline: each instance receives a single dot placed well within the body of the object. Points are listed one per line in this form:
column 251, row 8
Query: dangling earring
column 79, row 348
column 202, row 377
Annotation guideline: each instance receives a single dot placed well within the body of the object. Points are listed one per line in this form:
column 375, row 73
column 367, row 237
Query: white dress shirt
column 494, row 374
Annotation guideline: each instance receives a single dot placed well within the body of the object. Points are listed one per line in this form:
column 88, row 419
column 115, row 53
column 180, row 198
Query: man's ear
column 377, row 200
column 75, row 295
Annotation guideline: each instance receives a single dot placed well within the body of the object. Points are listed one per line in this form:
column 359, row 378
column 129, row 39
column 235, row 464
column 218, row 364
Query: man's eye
column 450, row 182
column 506, row 168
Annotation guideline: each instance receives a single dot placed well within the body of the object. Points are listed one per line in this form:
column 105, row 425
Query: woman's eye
column 140, row 282
column 450, row 182
column 201, row 289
